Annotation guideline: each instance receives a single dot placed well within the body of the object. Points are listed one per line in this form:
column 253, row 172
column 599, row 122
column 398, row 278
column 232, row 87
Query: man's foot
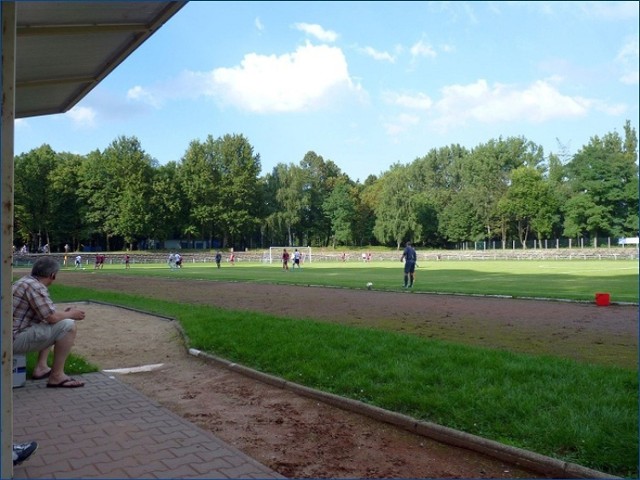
column 42, row 376
column 22, row 451
column 67, row 383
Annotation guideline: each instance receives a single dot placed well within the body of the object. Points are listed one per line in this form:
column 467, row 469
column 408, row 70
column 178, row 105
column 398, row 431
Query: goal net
column 275, row 254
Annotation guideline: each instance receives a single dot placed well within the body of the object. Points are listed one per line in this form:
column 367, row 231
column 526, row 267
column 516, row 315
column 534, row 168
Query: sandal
column 68, row 383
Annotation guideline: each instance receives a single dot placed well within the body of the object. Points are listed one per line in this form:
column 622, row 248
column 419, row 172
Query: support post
column 8, row 43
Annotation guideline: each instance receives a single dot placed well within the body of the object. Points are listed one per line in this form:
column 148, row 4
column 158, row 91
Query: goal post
column 275, row 254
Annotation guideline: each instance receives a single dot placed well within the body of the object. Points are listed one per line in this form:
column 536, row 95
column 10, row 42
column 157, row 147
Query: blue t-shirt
column 409, row 254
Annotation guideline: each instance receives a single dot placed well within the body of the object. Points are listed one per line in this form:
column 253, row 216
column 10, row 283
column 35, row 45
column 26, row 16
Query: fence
column 551, row 243
column 628, row 252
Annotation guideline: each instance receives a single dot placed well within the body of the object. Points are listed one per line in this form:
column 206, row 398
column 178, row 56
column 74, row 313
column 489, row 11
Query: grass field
column 559, row 279
column 586, row 414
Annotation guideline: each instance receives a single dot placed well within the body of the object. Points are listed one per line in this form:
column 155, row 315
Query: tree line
column 500, row 191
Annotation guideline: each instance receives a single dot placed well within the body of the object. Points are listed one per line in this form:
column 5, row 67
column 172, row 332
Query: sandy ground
column 299, row 437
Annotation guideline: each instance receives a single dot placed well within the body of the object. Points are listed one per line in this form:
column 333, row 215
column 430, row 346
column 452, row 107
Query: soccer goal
column 275, row 254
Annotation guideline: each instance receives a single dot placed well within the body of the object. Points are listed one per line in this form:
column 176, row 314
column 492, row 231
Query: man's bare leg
column 61, row 350
column 42, row 367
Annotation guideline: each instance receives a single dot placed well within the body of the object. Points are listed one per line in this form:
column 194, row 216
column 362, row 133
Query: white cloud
column 421, row 49
column 258, row 23
column 400, row 124
column 82, row 116
column 628, row 57
column 447, row 48
column 309, row 78
column 144, row 95
column 301, row 80
column 630, row 78
column 317, row 31
column 602, row 11
column 479, row 102
column 607, row 10
column 614, row 110
column 377, row 55
column 416, row 102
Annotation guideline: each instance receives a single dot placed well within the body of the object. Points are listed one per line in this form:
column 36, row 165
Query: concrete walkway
column 106, row 429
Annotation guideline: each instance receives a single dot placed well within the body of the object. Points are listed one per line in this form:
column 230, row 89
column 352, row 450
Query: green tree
column 397, row 208
column 239, row 193
column 603, row 177
column 33, row 196
column 441, row 174
column 485, row 179
column 220, row 182
column 68, row 210
column 167, row 206
column 365, row 198
column 291, row 200
column 116, row 185
column 339, row 207
column 560, row 191
column 528, row 202
column 320, row 176
column 458, row 221
column 200, row 178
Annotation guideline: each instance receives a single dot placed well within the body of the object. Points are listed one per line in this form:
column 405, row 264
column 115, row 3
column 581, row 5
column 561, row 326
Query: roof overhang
column 64, row 49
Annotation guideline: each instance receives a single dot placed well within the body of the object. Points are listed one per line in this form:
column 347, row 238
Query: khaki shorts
column 41, row 335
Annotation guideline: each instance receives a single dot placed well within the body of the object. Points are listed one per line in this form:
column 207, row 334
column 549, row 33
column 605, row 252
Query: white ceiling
column 64, row 49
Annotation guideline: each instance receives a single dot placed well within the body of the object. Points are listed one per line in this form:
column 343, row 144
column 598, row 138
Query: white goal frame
column 275, row 253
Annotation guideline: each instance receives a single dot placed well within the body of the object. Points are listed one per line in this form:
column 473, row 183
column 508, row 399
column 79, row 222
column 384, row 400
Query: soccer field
column 553, row 279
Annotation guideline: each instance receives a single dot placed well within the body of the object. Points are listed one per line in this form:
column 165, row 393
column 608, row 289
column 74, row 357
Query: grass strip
column 585, row 414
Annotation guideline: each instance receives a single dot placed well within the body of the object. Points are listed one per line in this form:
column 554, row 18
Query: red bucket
column 603, row 299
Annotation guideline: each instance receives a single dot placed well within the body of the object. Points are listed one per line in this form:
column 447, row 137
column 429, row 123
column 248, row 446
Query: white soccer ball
column 369, row 286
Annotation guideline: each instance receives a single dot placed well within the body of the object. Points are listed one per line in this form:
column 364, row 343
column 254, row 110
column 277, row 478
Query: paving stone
column 106, row 429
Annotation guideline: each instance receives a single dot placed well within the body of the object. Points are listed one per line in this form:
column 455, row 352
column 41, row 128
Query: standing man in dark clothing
column 410, row 258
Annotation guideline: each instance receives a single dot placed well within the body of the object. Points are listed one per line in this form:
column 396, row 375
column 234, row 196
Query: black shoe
column 22, row 451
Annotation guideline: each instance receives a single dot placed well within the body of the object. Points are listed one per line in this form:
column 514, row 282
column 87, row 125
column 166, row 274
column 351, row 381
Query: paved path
column 106, row 429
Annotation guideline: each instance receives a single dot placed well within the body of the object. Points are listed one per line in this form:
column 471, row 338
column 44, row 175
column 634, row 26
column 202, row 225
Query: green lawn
column 559, row 279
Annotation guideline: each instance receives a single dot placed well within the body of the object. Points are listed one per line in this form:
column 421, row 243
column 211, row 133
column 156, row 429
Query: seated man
column 37, row 326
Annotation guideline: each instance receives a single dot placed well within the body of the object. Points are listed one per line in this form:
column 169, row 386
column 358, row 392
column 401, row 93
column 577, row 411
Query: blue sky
column 364, row 84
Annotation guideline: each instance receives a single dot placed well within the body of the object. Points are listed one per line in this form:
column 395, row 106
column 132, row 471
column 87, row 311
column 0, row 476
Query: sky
column 363, row 84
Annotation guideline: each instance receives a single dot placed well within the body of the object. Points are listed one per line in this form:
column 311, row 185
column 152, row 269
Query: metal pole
column 8, row 21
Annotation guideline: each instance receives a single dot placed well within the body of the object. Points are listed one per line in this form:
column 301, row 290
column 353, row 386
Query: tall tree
column 320, row 176
column 239, row 189
column 339, row 207
column 603, row 177
column 167, row 206
column 200, row 178
column 528, row 202
column 221, row 184
column 68, row 210
column 397, row 210
column 365, row 199
column 33, row 196
column 486, row 178
column 291, row 199
column 116, row 185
